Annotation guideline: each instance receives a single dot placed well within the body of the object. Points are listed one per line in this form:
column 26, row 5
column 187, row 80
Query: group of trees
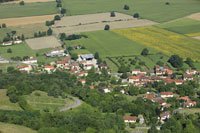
column 44, row 33
column 2, row 1
column 3, row 26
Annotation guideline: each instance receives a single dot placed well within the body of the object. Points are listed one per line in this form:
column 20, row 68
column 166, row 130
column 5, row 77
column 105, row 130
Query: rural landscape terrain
column 99, row 66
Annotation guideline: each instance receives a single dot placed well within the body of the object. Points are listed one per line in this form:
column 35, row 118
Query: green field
column 4, row 67
column 11, row 128
column 182, row 26
column 29, row 9
column 5, row 103
column 155, row 10
column 47, row 102
column 108, row 44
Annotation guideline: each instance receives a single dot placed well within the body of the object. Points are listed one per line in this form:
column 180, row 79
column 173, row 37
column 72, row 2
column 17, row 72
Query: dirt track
column 195, row 16
column 27, row 1
column 26, row 20
column 93, row 22
column 197, row 37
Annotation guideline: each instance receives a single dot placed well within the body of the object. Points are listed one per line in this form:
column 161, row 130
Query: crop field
column 5, row 103
column 43, row 42
column 109, row 44
column 94, row 22
column 11, row 128
column 47, row 102
column 195, row 16
column 27, row 1
column 27, row 20
column 164, row 41
column 159, row 13
column 182, row 26
column 29, row 9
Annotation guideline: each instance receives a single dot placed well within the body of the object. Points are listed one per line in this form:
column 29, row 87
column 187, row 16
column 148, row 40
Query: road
column 77, row 103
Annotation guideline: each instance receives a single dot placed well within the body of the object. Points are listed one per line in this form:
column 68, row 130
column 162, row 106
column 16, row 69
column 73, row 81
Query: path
column 77, row 103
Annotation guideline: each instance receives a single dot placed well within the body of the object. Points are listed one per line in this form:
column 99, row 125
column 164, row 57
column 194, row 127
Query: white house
column 26, row 68
column 129, row 119
column 164, row 116
column 30, row 60
column 49, row 69
column 133, row 79
column 88, row 58
column 105, row 89
column 18, row 41
column 166, row 94
column 9, row 43
column 135, row 71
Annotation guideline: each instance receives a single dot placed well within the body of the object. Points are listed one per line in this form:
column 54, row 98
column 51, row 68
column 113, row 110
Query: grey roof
column 87, row 56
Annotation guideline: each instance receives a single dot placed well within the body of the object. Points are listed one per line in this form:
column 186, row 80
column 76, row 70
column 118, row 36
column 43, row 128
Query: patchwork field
column 47, row 102
column 5, row 103
column 159, row 13
column 182, row 26
column 29, row 9
column 27, row 20
column 163, row 41
column 94, row 22
column 43, row 42
column 27, row 1
column 11, row 128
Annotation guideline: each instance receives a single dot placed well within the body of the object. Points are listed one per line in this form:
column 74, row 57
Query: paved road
column 77, row 103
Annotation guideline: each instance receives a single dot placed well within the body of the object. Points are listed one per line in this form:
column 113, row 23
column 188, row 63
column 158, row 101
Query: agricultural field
column 47, row 102
column 94, row 22
column 195, row 16
column 27, row 1
column 43, row 42
column 5, row 103
column 182, row 26
column 164, row 41
column 29, row 9
column 11, row 128
column 21, row 21
column 4, row 66
column 159, row 13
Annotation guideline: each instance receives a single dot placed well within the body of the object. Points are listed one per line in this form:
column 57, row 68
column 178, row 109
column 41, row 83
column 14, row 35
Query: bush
column 167, row 3
column 126, row 7
column 145, row 52
column 136, row 15
column 3, row 26
column 57, row 17
column 176, row 61
column 9, row 50
column 112, row 14
column 37, row 94
column 21, row 3
column 107, row 27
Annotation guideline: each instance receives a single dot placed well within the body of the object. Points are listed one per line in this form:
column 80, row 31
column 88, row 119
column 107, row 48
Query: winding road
column 77, row 103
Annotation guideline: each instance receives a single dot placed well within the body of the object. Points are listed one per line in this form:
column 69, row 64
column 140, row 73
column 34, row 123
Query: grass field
column 46, row 102
column 4, row 67
column 5, row 103
column 29, row 9
column 108, row 44
column 159, row 13
column 182, row 26
column 164, row 41
column 191, row 110
column 11, row 128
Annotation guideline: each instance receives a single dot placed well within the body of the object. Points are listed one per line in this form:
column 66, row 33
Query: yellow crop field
column 163, row 41
column 193, row 34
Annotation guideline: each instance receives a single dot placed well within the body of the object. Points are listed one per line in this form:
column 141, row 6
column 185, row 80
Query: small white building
column 88, row 59
column 9, row 43
column 26, row 68
column 164, row 116
column 49, row 69
column 133, row 79
column 105, row 89
column 135, row 71
column 18, row 41
column 166, row 94
column 129, row 119
column 31, row 60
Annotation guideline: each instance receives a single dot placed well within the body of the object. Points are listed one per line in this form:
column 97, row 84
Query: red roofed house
column 192, row 72
column 82, row 73
column 129, row 119
column 26, row 68
column 49, row 69
column 18, row 41
column 105, row 89
column 179, row 81
column 165, row 115
column 83, row 81
column 7, row 43
column 166, row 94
column 187, row 77
column 132, row 79
column 186, row 98
column 190, row 103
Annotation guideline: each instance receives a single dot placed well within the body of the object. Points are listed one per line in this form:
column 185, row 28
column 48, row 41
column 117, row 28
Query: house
column 105, row 89
column 165, row 105
column 192, row 72
column 132, row 79
column 18, row 41
column 26, row 68
column 63, row 63
column 186, row 98
column 164, row 116
column 187, row 77
column 56, row 53
column 149, row 96
column 88, row 58
column 83, row 81
column 102, row 65
column 141, row 118
column 162, row 70
column 166, row 94
column 31, row 60
column 122, row 91
column 49, row 69
column 9, row 43
column 158, row 100
column 190, row 103
column 88, row 66
column 82, row 73
column 135, row 71
column 129, row 119
column 178, row 81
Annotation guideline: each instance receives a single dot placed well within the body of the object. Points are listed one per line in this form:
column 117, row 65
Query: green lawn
column 4, row 67
column 11, row 128
column 155, row 10
column 191, row 110
column 183, row 26
column 47, row 102
column 29, row 9
column 108, row 44
column 5, row 103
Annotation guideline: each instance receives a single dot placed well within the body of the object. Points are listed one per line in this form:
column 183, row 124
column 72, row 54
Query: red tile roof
column 130, row 118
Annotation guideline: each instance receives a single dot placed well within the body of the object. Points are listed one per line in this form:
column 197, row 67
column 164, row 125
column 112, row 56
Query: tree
column 10, row 69
column 13, row 32
column 160, row 63
column 126, row 7
column 176, row 61
column 3, row 26
column 112, row 14
column 21, row 3
column 63, row 11
column 190, row 62
column 9, row 50
column 57, row 17
column 145, row 52
column 48, row 23
column 107, row 27
column 62, row 36
column 22, row 37
column 136, row 15
column 96, row 55
column 49, row 32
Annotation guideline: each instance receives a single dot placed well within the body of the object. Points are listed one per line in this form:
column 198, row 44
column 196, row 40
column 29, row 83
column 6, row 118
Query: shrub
column 136, row 15
column 126, row 7
column 57, row 17
column 3, row 26
column 107, row 27
column 145, row 52
column 112, row 14
column 37, row 94
column 9, row 50
column 167, row 3
column 21, row 3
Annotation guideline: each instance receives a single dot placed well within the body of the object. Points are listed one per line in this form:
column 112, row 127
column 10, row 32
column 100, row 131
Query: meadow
column 4, row 67
column 5, row 103
column 47, row 102
column 11, row 128
column 159, row 13
column 29, row 9
column 182, row 26
column 164, row 41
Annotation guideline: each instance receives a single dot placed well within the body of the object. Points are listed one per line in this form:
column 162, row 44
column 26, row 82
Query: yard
column 159, row 13
column 47, row 102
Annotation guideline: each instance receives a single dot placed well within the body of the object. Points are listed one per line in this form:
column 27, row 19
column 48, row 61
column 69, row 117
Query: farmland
column 27, row 1
column 47, row 102
column 164, row 41
column 11, row 128
column 29, row 9
column 159, row 13
column 4, row 66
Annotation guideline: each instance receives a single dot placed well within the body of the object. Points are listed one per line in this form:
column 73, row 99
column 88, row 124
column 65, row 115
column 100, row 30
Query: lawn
column 155, row 10
column 47, row 102
column 164, row 41
column 4, row 67
column 11, row 128
column 5, row 103
column 29, row 9
column 108, row 44
column 182, row 26
column 191, row 110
